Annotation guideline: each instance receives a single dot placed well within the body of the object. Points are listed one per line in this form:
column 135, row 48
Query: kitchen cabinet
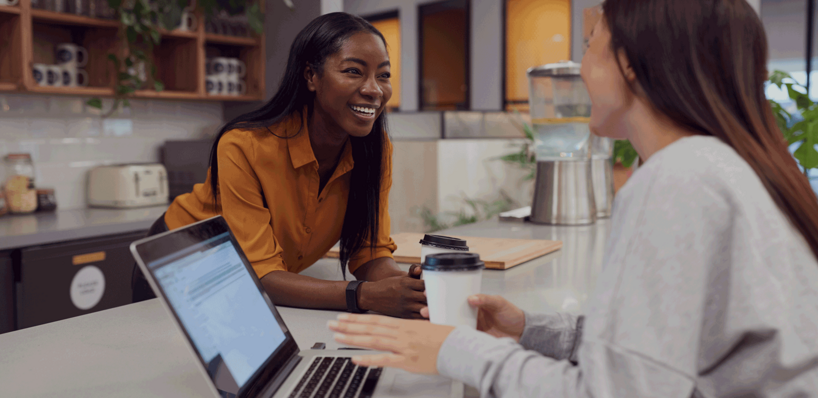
column 68, row 279
column 6, row 292
column 28, row 36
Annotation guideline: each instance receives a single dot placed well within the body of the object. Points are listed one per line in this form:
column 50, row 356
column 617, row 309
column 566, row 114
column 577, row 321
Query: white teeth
column 368, row 111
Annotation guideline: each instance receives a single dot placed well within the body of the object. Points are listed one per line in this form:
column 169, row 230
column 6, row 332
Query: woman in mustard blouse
column 310, row 168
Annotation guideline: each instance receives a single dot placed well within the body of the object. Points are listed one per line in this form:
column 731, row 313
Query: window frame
column 430, row 8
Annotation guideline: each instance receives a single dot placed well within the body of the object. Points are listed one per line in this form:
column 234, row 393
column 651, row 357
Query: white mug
column 74, row 78
column 241, row 88
column 230, row 87
column 188, row 23
column 218, row 66
column 71, row 55
column 40, row 72
column 214, row 85
column 236, row 67
column 54, row 75
column 8, row 2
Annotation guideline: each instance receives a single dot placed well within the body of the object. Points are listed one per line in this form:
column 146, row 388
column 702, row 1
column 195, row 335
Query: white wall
column 66, row 138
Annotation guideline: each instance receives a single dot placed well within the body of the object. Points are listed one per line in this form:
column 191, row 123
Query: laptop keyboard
column 330, row 377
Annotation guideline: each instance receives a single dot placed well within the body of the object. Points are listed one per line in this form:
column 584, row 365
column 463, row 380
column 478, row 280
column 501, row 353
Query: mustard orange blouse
column 299, row 226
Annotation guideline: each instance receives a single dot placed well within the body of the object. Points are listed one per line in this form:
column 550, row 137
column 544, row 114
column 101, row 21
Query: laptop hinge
column 282, row 375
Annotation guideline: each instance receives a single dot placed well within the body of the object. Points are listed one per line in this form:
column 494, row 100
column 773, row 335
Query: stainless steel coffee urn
column 560, row 111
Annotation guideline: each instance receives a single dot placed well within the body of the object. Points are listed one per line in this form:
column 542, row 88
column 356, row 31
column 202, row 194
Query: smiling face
column 353, row 87
column 611, row 97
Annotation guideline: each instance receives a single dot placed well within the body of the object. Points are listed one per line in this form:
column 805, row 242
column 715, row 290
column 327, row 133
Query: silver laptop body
column 240, row 341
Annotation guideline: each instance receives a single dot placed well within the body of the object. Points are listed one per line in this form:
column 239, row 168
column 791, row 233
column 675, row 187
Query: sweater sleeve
column 556, row 336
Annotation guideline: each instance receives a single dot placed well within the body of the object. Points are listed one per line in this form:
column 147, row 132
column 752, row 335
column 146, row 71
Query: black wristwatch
column 352, row 297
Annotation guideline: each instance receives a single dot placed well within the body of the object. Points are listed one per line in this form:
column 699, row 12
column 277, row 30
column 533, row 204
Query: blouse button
column 300, row 257
column 309, row 230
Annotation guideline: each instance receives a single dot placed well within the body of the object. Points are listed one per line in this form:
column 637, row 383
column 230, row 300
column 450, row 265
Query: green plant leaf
column 131, row 33
column 806, row 154
column 156, row 36
column 126, row 103
column 801, row 99
column 114, row 4
column 159, row 86
column 115, row 60
column 624, row 153
column 255, row 18
column 94, row 103
column 128, row 62
column 777, row 77
column 124, row 90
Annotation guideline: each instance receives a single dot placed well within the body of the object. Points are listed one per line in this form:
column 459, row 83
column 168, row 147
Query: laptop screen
column 215, row 297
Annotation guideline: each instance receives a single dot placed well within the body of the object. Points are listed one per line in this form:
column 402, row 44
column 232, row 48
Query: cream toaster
column 128, row 185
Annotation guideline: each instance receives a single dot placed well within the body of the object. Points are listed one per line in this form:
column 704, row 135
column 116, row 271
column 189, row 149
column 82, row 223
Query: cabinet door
column 6, row 293
column 74, row 278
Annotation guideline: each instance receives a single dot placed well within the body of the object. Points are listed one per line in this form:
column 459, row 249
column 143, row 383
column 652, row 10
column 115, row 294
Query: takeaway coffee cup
column 450, row 279
column 431, row 244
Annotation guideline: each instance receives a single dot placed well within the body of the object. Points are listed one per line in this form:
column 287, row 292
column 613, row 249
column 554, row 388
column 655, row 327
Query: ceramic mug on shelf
column 71, row 55
column 8, row 2
column 188, row 23
column 219, row 65
column 40, row 72
column 214, row 85
column 74, row 78
column 241, row 88
column 54, row 75
column 236, row 67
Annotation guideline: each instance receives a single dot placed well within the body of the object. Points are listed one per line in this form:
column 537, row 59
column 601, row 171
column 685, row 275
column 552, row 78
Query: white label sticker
column 87, row 287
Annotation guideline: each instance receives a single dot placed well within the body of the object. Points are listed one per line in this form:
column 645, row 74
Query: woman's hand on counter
column 412, row 345
column 399, row 296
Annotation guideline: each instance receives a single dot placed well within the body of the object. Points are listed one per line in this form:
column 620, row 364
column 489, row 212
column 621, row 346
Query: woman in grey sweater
column 710, row 281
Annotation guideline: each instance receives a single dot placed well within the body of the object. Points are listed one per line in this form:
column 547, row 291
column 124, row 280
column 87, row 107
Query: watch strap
column 352, row 296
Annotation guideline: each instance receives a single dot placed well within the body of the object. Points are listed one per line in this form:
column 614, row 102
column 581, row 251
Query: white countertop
column 135, row 350
column 24, row 230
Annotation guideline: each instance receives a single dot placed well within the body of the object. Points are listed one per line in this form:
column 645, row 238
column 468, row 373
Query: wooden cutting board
column 497, row 253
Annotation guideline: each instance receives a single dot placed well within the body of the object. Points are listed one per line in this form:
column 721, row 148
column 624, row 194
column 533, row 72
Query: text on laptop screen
column 218, row 303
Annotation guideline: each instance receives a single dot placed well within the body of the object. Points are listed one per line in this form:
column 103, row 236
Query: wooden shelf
column 10, row 10
column 233, row 97
column 179, row 33
column 168, row 94
column 5, row 86
column 78, row 91
column 61, row 18
column 212, row 38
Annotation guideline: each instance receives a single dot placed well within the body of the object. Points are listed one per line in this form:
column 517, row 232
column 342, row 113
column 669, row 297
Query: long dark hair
column 703, row 63
column 323, row 37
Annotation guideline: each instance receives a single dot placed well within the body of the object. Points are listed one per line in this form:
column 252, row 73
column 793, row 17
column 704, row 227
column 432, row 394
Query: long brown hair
column 703, row 64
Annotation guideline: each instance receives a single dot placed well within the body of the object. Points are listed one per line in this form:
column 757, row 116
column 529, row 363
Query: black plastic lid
column 444, row 242
column 453, row 262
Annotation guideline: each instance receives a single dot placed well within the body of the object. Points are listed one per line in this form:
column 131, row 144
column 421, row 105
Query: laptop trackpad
column 411, row 385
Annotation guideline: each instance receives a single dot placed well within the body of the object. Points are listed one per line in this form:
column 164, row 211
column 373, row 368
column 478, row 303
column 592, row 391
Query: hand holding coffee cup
column 450, row 278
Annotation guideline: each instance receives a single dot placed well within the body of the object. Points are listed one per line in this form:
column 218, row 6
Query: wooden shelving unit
column 28, row 36
column 15, row 10
column 211, row 38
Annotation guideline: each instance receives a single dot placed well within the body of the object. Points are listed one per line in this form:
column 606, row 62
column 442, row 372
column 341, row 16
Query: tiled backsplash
column 66, row 138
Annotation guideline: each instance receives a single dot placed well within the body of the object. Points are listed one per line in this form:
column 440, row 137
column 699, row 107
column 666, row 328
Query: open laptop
column 241, row 344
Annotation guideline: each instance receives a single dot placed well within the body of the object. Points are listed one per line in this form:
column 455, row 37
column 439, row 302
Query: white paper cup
column 450, row 279
column 433, row 244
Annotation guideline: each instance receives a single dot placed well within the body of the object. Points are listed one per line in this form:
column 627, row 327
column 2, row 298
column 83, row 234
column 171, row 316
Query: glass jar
column 21, row 197
column 46, row 200
column 560, row 111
